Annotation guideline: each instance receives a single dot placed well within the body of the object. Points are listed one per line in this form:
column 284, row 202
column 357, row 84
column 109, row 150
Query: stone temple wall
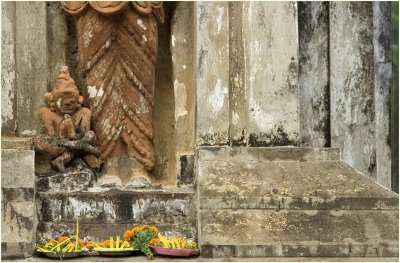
column 251, row 74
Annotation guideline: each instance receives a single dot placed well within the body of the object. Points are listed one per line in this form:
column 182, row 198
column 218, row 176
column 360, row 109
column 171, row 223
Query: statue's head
column 64, row 98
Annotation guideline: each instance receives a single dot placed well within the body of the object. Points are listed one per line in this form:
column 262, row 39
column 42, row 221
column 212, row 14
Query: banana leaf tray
column 61, row 255
column 117, row 253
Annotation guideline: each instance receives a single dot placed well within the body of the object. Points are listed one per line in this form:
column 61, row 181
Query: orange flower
column 52, row 241
column 135, row 230
column 127, row 235
column 154, row 229
column 89, row 244
column 105, row 243
column 63, row 238
column 80, row 243
column 154, row 241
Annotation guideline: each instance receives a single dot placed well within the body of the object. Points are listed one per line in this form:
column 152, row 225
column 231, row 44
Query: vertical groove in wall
column 237, row 88
column 313, row 23
column 382, row 72
column 328, row 136
column 164, row 106
column 56, row 41
column 183, row 72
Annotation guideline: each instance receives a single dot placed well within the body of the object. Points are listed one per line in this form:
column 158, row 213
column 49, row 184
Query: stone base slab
column 16, row 250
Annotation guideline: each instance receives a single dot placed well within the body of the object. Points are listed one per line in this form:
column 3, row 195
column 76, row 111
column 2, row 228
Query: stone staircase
column 291, row 202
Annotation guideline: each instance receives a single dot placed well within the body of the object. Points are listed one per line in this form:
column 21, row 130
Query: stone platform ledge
column 287, row 153
column 124, row 190
column 20, row 143
column 278, row 203
column 300, row 250
column 201, row 259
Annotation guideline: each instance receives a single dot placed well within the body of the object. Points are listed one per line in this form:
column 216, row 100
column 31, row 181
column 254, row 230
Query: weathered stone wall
column 8, row 74
column 271, row 62
column 247, row 74
column 352, row 84
column 212, row 73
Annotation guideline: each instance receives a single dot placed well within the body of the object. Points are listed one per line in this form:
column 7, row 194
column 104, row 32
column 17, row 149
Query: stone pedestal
column 108, row 212
column 17, row 198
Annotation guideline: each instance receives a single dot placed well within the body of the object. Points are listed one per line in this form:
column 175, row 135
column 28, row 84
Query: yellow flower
column 191, row 245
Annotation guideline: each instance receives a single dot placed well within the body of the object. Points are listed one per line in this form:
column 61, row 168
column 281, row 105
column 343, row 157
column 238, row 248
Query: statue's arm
column 45, row 115
column 83, row 117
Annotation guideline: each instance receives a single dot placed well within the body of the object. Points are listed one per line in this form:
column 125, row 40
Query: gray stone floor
column 200, row 259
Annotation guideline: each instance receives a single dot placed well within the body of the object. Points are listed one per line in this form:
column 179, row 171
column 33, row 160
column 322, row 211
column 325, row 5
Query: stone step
column 289, row 185
column 323, row 251
column 262, row 233
column 288, row 201
column 104, row 214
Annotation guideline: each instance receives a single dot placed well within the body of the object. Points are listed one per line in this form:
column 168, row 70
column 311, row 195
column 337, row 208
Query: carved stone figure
column 118, row 49
column 67, row 126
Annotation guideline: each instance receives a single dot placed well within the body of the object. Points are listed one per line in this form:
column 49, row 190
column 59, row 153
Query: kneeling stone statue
column 66, row 124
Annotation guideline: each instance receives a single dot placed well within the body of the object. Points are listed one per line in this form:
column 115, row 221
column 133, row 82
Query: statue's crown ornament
column 65, row 84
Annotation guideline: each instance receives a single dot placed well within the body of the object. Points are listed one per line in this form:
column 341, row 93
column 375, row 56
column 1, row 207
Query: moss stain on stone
column 278, row 138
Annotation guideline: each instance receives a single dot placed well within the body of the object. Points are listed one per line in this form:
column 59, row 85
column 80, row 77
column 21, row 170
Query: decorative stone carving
column 118, row 49
column 67, row 126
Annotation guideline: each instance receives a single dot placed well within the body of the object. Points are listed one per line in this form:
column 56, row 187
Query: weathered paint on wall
column 31, row 64
column 314, row 73
column 183, row 52
column 8, row 74
column 212, row 59
column 352, row 84
column 238, row 100
column 382, row 70
column 271, row 61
